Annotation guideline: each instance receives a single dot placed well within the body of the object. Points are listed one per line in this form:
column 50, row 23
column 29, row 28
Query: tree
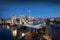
column 57, row 21
column 47, row 21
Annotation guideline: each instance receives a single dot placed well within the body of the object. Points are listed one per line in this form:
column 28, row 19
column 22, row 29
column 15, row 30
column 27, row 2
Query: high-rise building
column 55, row 32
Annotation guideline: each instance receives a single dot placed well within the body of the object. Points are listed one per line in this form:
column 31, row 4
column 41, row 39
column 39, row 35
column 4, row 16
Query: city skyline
column 37, row 9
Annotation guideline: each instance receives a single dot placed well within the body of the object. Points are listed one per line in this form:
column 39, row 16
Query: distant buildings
column 57, row 18
column 51, row 19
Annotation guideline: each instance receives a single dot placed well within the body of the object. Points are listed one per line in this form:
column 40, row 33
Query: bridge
column 28, row 25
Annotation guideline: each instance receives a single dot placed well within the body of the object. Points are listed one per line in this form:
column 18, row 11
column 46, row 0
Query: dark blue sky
column 38, row 9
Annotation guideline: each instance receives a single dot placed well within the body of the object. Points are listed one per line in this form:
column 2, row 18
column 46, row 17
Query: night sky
column 37, row 8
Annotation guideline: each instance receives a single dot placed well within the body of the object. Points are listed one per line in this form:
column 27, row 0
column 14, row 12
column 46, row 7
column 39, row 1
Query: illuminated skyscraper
column 29, row 16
